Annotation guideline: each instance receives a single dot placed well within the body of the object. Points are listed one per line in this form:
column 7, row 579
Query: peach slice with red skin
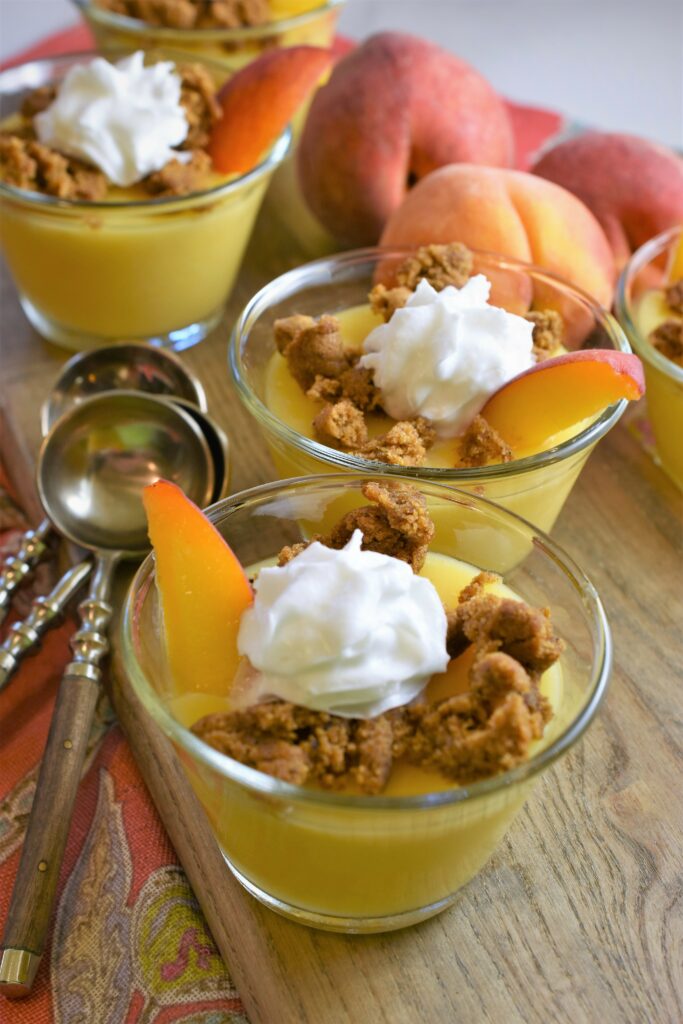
column 558, row 393
column 259, row 102
column 203, row 590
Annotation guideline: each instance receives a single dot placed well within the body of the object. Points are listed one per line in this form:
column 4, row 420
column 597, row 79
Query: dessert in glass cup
column 461, row 367
column 229, row 32
column 649, row 305
column 105, row 171
column 361, row 703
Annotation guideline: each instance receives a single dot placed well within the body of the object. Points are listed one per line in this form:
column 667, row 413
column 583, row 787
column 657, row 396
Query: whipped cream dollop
column 350, row 632
column 124, row 118
column 444, row 353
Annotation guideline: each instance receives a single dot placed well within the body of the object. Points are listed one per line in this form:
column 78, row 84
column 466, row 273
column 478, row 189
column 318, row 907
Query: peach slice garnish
column 259, row 102
column 203, row 590
column 559, row 393
column 676, row 267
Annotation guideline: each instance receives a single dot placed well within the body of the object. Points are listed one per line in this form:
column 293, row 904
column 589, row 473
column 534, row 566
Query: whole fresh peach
column 394, row 109
column 509, row 212
column 634, row 187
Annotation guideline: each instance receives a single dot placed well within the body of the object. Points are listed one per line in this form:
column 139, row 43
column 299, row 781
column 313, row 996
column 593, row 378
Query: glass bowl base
column 78, row 341
column 346, row 925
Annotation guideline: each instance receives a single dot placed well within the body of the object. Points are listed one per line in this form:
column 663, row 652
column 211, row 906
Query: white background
column 613, row 64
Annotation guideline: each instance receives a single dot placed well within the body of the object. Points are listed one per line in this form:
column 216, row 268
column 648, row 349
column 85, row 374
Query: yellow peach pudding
column 459, row 367
column 650, row 307
column 361, row 710
column 232, row 32
column 138, row 183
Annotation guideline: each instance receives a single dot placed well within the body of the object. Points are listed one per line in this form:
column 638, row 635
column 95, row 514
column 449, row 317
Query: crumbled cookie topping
column 358, row 386
column 674, row 296
column 473, row 735
column 327, row 372
column 184, row 14
column 26, row 163
column 312, row 348
column 481, row 444
column 385, row 301
column 547, row 333
column 396, row 523
column 401, row 445
column 496, row 624
column 668, row 339
column 38, row 101
column 341, row 424
column 440, row 265
column 179, row 179
column 198, row 100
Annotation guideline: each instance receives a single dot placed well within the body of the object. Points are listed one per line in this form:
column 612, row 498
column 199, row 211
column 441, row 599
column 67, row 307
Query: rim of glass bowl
column 242, row 34
column 22, row 76
column 259, row 782
column 640, row 258
column 322, row 270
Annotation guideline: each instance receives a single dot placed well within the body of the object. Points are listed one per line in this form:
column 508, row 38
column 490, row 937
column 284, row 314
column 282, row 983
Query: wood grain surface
column 578, row 917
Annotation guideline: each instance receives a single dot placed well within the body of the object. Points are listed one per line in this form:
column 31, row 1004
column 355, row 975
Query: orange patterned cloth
column 128, row 943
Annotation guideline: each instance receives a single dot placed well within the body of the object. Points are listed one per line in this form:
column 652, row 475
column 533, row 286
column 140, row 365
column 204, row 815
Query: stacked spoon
column 96, row 458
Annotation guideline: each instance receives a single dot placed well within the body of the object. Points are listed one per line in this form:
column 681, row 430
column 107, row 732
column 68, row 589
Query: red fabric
column 127, row 940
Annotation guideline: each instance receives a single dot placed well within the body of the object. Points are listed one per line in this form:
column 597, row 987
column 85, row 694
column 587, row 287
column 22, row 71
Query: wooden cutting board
column 577, row 916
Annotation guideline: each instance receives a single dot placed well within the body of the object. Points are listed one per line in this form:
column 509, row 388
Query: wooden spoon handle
column 60, row 772
column 48, row 828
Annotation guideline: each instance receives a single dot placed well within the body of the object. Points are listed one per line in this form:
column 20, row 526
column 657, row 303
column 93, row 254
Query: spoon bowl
column 99, row 456
column 218, row 443
column 124, row 366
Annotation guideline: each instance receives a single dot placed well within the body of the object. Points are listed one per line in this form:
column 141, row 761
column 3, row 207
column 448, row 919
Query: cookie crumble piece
column 341, row 424
column 358, row 386
column 198, row 100
column 401, row 445
column 28, row 164
column 548, row 331
column 177, row 178
column 385, row 301
column 668, row 339
column 674, row 296
column 38, row 100
column 312, row 348
column 504, row 624
column 397, row 523
column 324, row 389
column 440, row 265
column 481, row 444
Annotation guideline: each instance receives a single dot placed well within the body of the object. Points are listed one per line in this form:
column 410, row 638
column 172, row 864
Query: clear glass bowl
column 233, row 48
column 364, row 863
column 646, row 270
column 157, row 270
column 535, row 487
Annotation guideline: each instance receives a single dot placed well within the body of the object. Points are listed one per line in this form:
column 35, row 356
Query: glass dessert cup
column 149, row 270
column 646, row 270
column 310, row 24
column 534, row 487
column 370, row 863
